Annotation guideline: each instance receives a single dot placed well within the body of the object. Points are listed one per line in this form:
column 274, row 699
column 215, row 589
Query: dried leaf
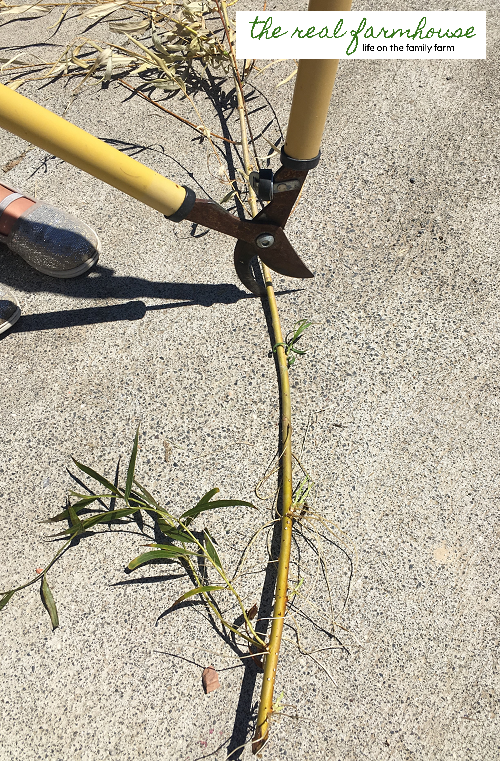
column 157, row 42
column 210, row 679
column 252, row 612
column 165, row 84
column 196, row 7
column 143, row 67
column 100, row 11
column 14, row 162
column 284, row 81
column 10, row 61
column 34, row 10
column 275, row 149
column 121, row 27
column 15, row 83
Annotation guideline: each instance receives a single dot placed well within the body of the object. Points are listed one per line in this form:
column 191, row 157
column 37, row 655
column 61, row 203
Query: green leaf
column 135, row 500
column 173, row 553
column 49, row 603
column 5, row 599
column 106, row 517
column 147, row 496
column 208, row 496
column 227, row 197
column 111, row 515
column 64, row 516
column 103, row 481
column 131, row 466
column 197, row 591
column 205, row 504
column 212, row 552
column 173, row 532
column 74, row 520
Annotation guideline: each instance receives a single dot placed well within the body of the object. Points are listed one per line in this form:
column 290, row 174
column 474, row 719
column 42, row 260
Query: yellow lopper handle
column 59, row 137
column 311, row 96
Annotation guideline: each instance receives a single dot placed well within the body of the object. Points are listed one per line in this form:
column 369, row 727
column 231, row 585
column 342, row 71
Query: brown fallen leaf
column 210, row 679
column 252, row 612
column 14, row 162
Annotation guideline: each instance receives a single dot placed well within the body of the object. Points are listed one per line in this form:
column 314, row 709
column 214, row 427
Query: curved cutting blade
column 243, row 255
column 281, row 258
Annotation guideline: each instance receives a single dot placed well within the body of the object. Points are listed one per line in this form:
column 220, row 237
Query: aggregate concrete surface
column 396, row 411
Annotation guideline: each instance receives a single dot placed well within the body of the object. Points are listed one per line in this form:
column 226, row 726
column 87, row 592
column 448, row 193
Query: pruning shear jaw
column 262, row 236
column 283, row 259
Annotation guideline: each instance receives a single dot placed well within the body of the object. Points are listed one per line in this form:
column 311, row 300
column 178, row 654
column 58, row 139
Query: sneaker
column 49, row 239
column 9, row 309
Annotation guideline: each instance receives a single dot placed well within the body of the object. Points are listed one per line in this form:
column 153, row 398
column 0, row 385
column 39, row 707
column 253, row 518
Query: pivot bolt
column 265, row 240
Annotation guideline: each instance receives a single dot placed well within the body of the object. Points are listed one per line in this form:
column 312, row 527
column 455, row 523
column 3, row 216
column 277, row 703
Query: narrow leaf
column 93, row 474
column 75, row 521
column 112, row 515
column 128, row 26
column 49, row 603
column 190, row 515
column 212, row 551
column 36, row 10
column 100, row 11
column 131, row 465
column 197, row 591
column 174, row 533
column 164, row 84
column 10, row 61
column 146, row 495
column 15, row 83
column 227, row 197
column 64, row 516
column 5, row 599
column 173, row 553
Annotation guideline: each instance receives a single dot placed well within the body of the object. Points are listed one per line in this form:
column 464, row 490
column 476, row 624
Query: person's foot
column 49, row 239
column 9, row 309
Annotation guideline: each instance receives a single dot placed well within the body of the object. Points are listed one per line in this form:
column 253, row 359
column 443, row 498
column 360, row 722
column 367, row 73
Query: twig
column 172, row 113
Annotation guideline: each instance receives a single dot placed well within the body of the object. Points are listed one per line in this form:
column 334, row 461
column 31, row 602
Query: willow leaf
column 5, row 599
column 100, row 11
column 190, row 515
column 103, row 481
column 173, row 553
column 107, row 517
column 197, row 591
column 131, row 466
column 49, row 603
column 212, row 552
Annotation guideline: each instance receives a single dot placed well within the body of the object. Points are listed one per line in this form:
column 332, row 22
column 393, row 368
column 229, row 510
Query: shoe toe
column 54, row 242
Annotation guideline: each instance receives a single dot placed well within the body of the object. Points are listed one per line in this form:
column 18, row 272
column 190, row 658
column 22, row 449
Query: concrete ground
column 396, row 412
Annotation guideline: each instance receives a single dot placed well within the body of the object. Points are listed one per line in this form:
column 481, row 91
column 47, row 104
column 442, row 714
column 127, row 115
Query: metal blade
column 280, row 256
column 243, row 255
column 282, row 259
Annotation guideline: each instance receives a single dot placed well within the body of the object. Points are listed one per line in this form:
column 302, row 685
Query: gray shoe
column 9, row 309
column 50, row 240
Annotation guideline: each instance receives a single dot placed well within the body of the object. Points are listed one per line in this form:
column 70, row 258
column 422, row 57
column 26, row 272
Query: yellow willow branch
column 280, row 600
column 285, row 455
